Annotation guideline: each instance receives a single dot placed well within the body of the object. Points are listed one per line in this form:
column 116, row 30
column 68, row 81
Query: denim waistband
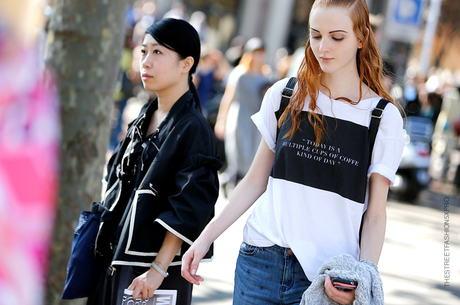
column 279, row 250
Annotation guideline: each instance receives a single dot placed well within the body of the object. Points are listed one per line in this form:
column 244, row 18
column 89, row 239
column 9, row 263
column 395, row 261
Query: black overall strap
column 286, row 95
column 376, row 115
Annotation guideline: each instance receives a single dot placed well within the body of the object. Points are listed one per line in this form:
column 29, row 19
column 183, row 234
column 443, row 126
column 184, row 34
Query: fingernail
column 193, row 271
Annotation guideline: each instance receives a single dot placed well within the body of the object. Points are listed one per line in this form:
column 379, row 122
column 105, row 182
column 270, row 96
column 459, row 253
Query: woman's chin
column 150, row 87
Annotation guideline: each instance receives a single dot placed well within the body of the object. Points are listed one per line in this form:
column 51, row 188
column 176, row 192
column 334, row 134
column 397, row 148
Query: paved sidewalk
column 411, row 265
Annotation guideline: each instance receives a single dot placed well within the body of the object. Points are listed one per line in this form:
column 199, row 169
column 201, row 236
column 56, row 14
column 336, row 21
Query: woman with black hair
column 162, row 178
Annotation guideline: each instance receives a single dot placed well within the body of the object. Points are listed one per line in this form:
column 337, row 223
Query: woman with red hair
column 319, row 188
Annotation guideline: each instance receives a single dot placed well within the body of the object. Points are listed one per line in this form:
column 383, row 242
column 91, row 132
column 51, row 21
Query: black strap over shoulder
column 376, row 115
column 286, row 95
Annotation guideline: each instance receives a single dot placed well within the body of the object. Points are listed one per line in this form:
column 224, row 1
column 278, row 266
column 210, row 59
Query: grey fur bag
column 369, row 290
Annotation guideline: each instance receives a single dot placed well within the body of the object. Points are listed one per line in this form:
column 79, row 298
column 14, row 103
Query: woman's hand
column 342, row 297
column 145, row 284
column 191, row 260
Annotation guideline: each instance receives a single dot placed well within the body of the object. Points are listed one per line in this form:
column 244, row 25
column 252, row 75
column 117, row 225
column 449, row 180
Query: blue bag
column 81, row 270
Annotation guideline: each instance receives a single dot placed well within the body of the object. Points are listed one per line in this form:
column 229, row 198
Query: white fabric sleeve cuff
column 264, row 131
column 382, row 170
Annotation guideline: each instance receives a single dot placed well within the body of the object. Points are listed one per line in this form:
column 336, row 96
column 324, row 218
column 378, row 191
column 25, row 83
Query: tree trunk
column 84, row 49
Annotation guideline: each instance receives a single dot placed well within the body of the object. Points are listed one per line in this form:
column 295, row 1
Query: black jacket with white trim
column 167, row 181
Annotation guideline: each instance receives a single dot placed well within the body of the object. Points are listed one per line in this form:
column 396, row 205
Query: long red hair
column 368, row 60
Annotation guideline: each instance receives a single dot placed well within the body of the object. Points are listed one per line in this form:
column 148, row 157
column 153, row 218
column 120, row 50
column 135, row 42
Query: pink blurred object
column 29, row 138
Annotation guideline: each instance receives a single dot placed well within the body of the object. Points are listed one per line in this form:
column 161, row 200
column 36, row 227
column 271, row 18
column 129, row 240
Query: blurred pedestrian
column 242, row 97
column 431, row 106
column 210, row 83
column 205, row 78
column 178, row 11
column 162, row 178
column 317, row 184
column 198, row 21
column 235, row 51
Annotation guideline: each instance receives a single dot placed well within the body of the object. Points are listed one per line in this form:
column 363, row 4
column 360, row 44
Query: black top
column 158, row 182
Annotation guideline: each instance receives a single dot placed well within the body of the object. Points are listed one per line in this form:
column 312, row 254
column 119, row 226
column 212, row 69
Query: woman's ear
column 187, row 63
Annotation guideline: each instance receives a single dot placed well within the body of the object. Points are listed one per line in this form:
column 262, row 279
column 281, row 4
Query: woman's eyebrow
column 337, row 31
column 154, row 44
column 331, row 32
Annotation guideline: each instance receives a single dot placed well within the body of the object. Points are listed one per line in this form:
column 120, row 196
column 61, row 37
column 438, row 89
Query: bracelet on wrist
column 159, row 263
column 160, row 271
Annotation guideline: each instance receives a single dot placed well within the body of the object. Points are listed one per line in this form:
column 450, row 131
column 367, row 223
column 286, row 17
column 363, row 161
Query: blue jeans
column 268, row 275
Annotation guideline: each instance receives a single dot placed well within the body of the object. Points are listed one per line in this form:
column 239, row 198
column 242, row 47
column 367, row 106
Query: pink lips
column 324, row 59
column 146, row 76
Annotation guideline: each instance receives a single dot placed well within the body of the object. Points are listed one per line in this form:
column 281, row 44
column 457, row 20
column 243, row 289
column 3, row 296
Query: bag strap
column 98, row 208
column 286, row 95
column 376, row 115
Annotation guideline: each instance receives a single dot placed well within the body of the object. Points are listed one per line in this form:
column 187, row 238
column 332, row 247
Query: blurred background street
column 411, row 265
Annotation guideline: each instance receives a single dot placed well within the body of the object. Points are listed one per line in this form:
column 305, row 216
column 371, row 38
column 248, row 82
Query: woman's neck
column 345, row 84
column 166, row 100
column 168, row 97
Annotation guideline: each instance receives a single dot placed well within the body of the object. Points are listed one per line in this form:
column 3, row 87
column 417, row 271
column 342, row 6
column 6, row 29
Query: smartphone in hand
column 344, row 284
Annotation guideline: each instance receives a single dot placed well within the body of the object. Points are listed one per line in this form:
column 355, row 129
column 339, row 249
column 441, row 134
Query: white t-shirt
column 316, row 195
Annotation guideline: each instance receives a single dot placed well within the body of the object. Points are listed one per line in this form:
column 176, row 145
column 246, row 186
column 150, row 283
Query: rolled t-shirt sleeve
column 389, row 144
column 265, row 119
